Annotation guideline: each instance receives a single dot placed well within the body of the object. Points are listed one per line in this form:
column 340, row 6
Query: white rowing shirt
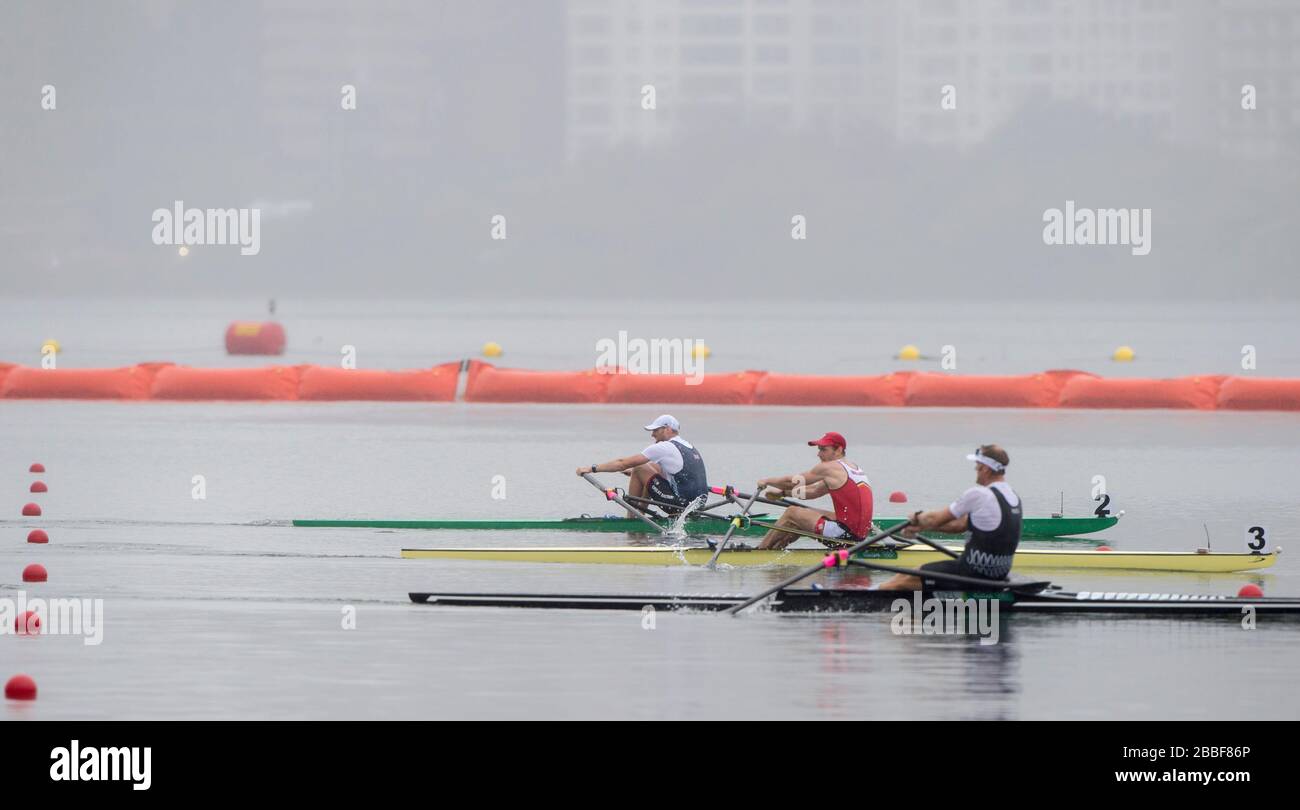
column 666, row 456
column 982, row 506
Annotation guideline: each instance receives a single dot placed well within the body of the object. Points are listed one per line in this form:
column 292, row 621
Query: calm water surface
column 215, row 608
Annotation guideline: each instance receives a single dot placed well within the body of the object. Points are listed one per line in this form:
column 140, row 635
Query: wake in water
column 133, row 522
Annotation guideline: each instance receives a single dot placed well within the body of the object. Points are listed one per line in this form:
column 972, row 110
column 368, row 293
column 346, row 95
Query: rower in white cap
column 669, row 471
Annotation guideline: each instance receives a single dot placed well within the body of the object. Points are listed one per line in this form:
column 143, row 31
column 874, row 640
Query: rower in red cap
column 833, row 475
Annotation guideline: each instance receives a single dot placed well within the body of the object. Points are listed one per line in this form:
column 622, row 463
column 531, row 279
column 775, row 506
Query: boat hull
column 912, row 556
column 1030, row 527
column 842, row 600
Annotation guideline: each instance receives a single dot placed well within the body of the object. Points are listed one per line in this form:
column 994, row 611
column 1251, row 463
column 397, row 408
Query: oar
column 703, row 511
column 814, row 535
column 735, row 524
column 956, row 579
column 613, row 495
column 761, row 498
column 830, row 561
column 788, row 502
column 934, row 545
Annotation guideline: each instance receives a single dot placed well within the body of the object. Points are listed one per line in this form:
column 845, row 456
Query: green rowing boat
column 1041, row 528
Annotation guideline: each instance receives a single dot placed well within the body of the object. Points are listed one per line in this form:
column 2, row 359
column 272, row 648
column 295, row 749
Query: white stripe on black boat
column 814, row 600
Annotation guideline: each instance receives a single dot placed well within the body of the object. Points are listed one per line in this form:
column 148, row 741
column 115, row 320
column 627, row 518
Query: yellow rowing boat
column 911, row 556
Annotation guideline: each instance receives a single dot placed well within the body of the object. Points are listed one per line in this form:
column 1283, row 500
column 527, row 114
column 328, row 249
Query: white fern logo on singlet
column 990, row 565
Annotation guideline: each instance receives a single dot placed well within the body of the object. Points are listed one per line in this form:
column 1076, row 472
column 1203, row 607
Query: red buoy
column 28, row 624
column 35, row 573
column 265, row 338
column 1103, row 548
column 1250, row 591
column 31, row 510
column 20, row 687
column 38, row 536
column 898, row 497
column 37, row 468
column 39, row 486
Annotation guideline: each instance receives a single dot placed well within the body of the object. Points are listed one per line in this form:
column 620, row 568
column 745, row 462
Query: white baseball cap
column 664, row 421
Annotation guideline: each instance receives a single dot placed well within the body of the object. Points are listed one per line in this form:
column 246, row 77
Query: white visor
column 992, row 463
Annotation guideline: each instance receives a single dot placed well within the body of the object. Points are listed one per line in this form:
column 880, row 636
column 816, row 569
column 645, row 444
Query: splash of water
column 677, row 529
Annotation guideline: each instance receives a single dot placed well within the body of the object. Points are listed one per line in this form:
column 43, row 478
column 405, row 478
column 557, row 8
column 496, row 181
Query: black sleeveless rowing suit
column 988, row 554
column 687, row 484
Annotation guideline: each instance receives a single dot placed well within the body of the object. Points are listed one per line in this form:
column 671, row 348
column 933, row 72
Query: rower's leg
column 641, row 479
column 796, row 517
column 639, row 483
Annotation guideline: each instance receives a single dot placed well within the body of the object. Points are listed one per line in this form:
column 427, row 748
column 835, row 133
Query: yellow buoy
column 51, row 346
column 491, row 349
column 909, row 352
column 1124, row 354
column 699, row 351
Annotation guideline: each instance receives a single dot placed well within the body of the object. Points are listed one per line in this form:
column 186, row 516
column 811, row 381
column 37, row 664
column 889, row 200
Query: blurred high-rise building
column 1172, row 69
column 1121, row 59
column 773, row 64
column 1256, row 43
column 311, row 49
column 432, row 79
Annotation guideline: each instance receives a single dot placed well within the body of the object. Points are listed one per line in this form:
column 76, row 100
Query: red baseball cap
column 831, row 439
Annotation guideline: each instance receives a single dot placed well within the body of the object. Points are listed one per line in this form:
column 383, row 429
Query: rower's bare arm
column 818, row 481
column 955, row 526
column 939, row 520
column 811, row 490
column 809, row 484
column 617, row 465
column 782, row 484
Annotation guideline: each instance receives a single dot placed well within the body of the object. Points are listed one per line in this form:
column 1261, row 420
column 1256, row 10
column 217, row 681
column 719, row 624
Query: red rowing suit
column 854, row 504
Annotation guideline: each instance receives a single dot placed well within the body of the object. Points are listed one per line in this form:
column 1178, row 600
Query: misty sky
column 464, row 113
